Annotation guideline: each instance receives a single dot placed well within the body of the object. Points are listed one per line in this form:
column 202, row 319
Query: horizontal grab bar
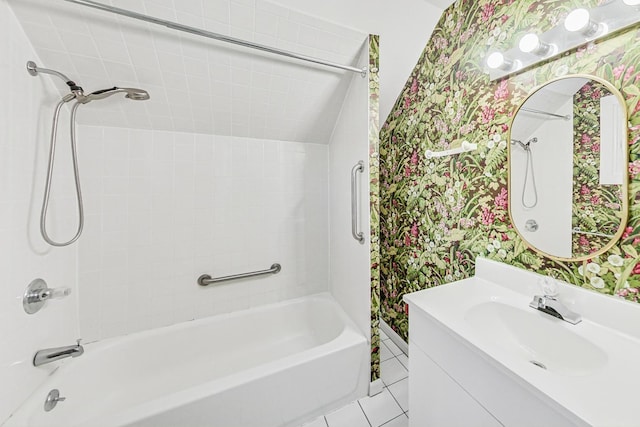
column 206, row 279
column 577, row 230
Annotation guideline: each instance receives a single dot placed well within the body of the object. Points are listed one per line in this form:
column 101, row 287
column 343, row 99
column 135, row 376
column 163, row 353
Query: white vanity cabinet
column 480, row 356
column 452, row 385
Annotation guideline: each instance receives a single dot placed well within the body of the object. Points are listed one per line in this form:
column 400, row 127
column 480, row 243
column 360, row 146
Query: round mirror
column 568, row 168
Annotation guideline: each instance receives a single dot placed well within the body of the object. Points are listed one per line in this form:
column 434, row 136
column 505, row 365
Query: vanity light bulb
column 497, row 60
column 530, row 43
column 579, row 20
column 631, row 2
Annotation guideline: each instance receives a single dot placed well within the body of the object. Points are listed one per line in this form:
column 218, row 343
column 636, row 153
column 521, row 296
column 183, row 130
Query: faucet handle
column 38, row 292
column 55, row 293
column 549, row 286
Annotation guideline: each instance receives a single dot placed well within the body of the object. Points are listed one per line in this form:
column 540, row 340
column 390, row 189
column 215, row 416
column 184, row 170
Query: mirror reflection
column 567, row 168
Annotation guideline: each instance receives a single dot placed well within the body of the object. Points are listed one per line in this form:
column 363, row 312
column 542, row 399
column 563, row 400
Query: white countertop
column 606, row 396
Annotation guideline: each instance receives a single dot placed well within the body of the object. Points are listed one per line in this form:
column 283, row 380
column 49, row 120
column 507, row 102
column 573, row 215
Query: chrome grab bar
column 206, row 279
column 577, row 230
column 355, row 211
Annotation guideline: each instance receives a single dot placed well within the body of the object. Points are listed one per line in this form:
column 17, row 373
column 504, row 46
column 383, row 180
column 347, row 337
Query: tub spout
column 48, row 355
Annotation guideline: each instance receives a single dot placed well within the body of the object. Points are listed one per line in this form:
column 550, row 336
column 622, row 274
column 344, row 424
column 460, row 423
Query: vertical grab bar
column 355, row 211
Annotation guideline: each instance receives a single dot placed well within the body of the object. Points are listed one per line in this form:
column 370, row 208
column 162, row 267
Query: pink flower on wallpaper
column 414, row 86
column 595, row 148
column 634, row 168
column 584, row 241
column 488, row 114
column 501, row 200
column 502, row 91
column 585, row 138
column 595, row 199
column 617, row 72
column 630, row 71
column 584, row 190
column 414, row 229
column 487, row 216
column 414, row 157
column 487, row 11
column 407, row 171
column 466, row 35
column 407, row 102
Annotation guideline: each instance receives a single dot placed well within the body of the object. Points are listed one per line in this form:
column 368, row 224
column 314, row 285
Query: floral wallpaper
column 437, row 215
column 374, row 201
column 596, row 208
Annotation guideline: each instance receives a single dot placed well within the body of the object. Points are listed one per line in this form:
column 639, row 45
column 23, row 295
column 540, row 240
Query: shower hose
column 529, row 166
column 74, row 156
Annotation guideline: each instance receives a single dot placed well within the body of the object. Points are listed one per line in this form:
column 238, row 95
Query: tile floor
column 389, row 408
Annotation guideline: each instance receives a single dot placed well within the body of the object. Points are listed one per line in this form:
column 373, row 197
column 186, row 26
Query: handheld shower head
column 131, row 93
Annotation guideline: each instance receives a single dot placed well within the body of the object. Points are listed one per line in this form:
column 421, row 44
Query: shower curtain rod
column 215, row 36
column 544, row 113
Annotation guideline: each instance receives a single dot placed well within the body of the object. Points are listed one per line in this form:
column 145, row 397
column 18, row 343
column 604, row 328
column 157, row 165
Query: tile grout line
column 382, row 425
column 365, row 414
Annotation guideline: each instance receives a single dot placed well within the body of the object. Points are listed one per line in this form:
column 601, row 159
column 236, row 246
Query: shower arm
column 33, row 69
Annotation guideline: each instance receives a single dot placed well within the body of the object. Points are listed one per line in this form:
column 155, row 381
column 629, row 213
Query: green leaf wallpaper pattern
column 374, row 200
column 437, row 215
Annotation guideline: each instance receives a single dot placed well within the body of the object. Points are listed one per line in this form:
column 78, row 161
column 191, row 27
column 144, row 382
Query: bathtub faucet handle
column 38, row 293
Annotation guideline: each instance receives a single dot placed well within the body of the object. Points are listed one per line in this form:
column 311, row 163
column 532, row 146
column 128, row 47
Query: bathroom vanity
column 481, row 356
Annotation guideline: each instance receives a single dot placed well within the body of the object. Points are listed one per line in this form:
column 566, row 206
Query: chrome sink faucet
column 549, row 303
column 48, row 355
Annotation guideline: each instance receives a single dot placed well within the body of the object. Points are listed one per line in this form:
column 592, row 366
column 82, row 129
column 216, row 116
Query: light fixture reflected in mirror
column 531, row 43
column 632, row 2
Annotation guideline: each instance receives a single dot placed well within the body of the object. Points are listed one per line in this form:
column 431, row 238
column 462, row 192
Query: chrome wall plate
column 31, row 301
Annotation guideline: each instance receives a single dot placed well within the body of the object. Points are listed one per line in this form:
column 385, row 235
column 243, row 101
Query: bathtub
column 276, row 365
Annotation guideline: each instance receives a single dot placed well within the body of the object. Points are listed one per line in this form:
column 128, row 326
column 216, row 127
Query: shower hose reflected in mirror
column 79, row 96
column 526, row 146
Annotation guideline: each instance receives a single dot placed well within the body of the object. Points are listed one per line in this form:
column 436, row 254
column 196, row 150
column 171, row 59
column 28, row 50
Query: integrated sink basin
column 478, row 343
column 536, row 337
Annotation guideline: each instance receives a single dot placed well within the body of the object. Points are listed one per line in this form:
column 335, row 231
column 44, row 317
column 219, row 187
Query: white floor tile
column 379, row 408
column 394, row 348
column 392, row 371
column 318, row 422
column 383, row 336
column 404, row 360
column 385, row 353
column 400, row 391
column 348, row 416
column 401, row 421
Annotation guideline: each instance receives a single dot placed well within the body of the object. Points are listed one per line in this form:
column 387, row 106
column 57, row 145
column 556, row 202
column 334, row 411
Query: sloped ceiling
column 197, row 84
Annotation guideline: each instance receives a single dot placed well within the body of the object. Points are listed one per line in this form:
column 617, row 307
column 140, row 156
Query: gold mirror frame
column 625, row 182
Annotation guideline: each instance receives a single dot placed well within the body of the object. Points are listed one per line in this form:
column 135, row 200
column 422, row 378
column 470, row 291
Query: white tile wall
column 165, row 207
column 199, row 85
column 24, row 127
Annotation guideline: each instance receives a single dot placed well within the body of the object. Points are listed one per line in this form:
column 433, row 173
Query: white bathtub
column 277, row 365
